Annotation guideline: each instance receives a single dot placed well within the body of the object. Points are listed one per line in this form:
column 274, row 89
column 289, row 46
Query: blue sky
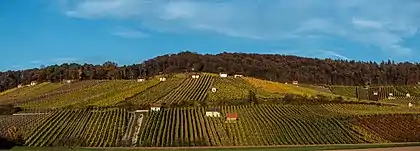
column 44, row 32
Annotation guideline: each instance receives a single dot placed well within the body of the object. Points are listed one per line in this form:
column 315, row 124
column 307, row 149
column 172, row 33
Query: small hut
column 407, row 95
column 238, row 76
column 231, row 117
column 155, row 107
column 223, row 75
column 195, row 76
column 213, row 112
column 34, row 83
column 141, row 80
column 295, row 82
column 410, row 104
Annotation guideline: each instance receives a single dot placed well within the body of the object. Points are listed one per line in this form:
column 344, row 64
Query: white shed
column 141, row 80
column 295, row 82
column 69, row 81
column 34, row 83
column 238, row 75
column 223, row 75
column 195, row 76
column 213, row 112
column 408, row 95
column 162, row 79
column 391, row 94
column 155, row 108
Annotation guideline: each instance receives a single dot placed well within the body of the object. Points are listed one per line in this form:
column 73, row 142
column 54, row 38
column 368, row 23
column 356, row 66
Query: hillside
column 273, row 67
column 208, row 110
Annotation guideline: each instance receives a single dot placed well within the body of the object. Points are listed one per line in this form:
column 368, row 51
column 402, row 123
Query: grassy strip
column 244, row 148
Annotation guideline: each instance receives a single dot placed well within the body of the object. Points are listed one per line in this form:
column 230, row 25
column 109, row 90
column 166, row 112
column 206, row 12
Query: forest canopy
column 281, row 68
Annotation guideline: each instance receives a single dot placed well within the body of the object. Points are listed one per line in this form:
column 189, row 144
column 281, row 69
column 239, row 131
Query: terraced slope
column 18, row 95
column 81, row 127
column 191, row 90
column 280, row 88
column 393, row 128
column 15, row 125
column 363, row 109
column 228, row 89
column 157, row 92
column 257, row 125
column 404, row 100
column 105, row 93
column 348, row 91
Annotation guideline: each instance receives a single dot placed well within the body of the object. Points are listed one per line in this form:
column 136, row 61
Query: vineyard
column 348, row 91
column 394, row 128
column 80, row 127
column 12, row 126
column 371, row 93
column 103, row 93
column 156, row 92
column 280, row 88
column 364, row 109
column 257, row 125
column 234, row 89
column 103, row 113
column 194, row 90
column 21, row 94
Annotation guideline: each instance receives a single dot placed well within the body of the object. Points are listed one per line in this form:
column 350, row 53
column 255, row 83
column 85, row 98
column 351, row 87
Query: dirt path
column 415, row 148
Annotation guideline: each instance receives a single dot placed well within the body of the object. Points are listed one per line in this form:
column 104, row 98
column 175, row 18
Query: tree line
column 281, row 68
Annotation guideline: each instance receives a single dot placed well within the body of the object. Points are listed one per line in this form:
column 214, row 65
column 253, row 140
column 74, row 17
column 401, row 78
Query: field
column 257, row 125
column 80, row 127
column 117, row 113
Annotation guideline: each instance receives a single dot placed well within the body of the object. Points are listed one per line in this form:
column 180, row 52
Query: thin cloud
column 36, row 62
column 384, row 26
column 367, row 23
column 131, row 34
column 334, row 54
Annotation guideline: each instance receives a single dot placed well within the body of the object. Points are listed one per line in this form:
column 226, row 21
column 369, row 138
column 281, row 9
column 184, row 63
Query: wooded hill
column 272, row 67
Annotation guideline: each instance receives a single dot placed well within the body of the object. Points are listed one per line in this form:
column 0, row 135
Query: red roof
column 232, row 115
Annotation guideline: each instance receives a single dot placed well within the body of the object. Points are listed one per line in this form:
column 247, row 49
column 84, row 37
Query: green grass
column 269, row 148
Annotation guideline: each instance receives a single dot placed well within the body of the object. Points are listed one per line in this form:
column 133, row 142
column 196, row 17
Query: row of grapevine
column 413, row 90
column 65, row 89
column 21, row 123
column 128, row 91
column 78, row 98
column 233, row 89
column 257, row 125
column 156, row 92
column 363, row 109
column 372, row 93
column 80, row 127
column 394, row 128
column 348, row 91
column 25, row 93
column 190, row 90
column 280, row 88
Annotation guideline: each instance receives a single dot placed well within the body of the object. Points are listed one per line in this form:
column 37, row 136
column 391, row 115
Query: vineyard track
column 414, row 144
column 190, row 90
